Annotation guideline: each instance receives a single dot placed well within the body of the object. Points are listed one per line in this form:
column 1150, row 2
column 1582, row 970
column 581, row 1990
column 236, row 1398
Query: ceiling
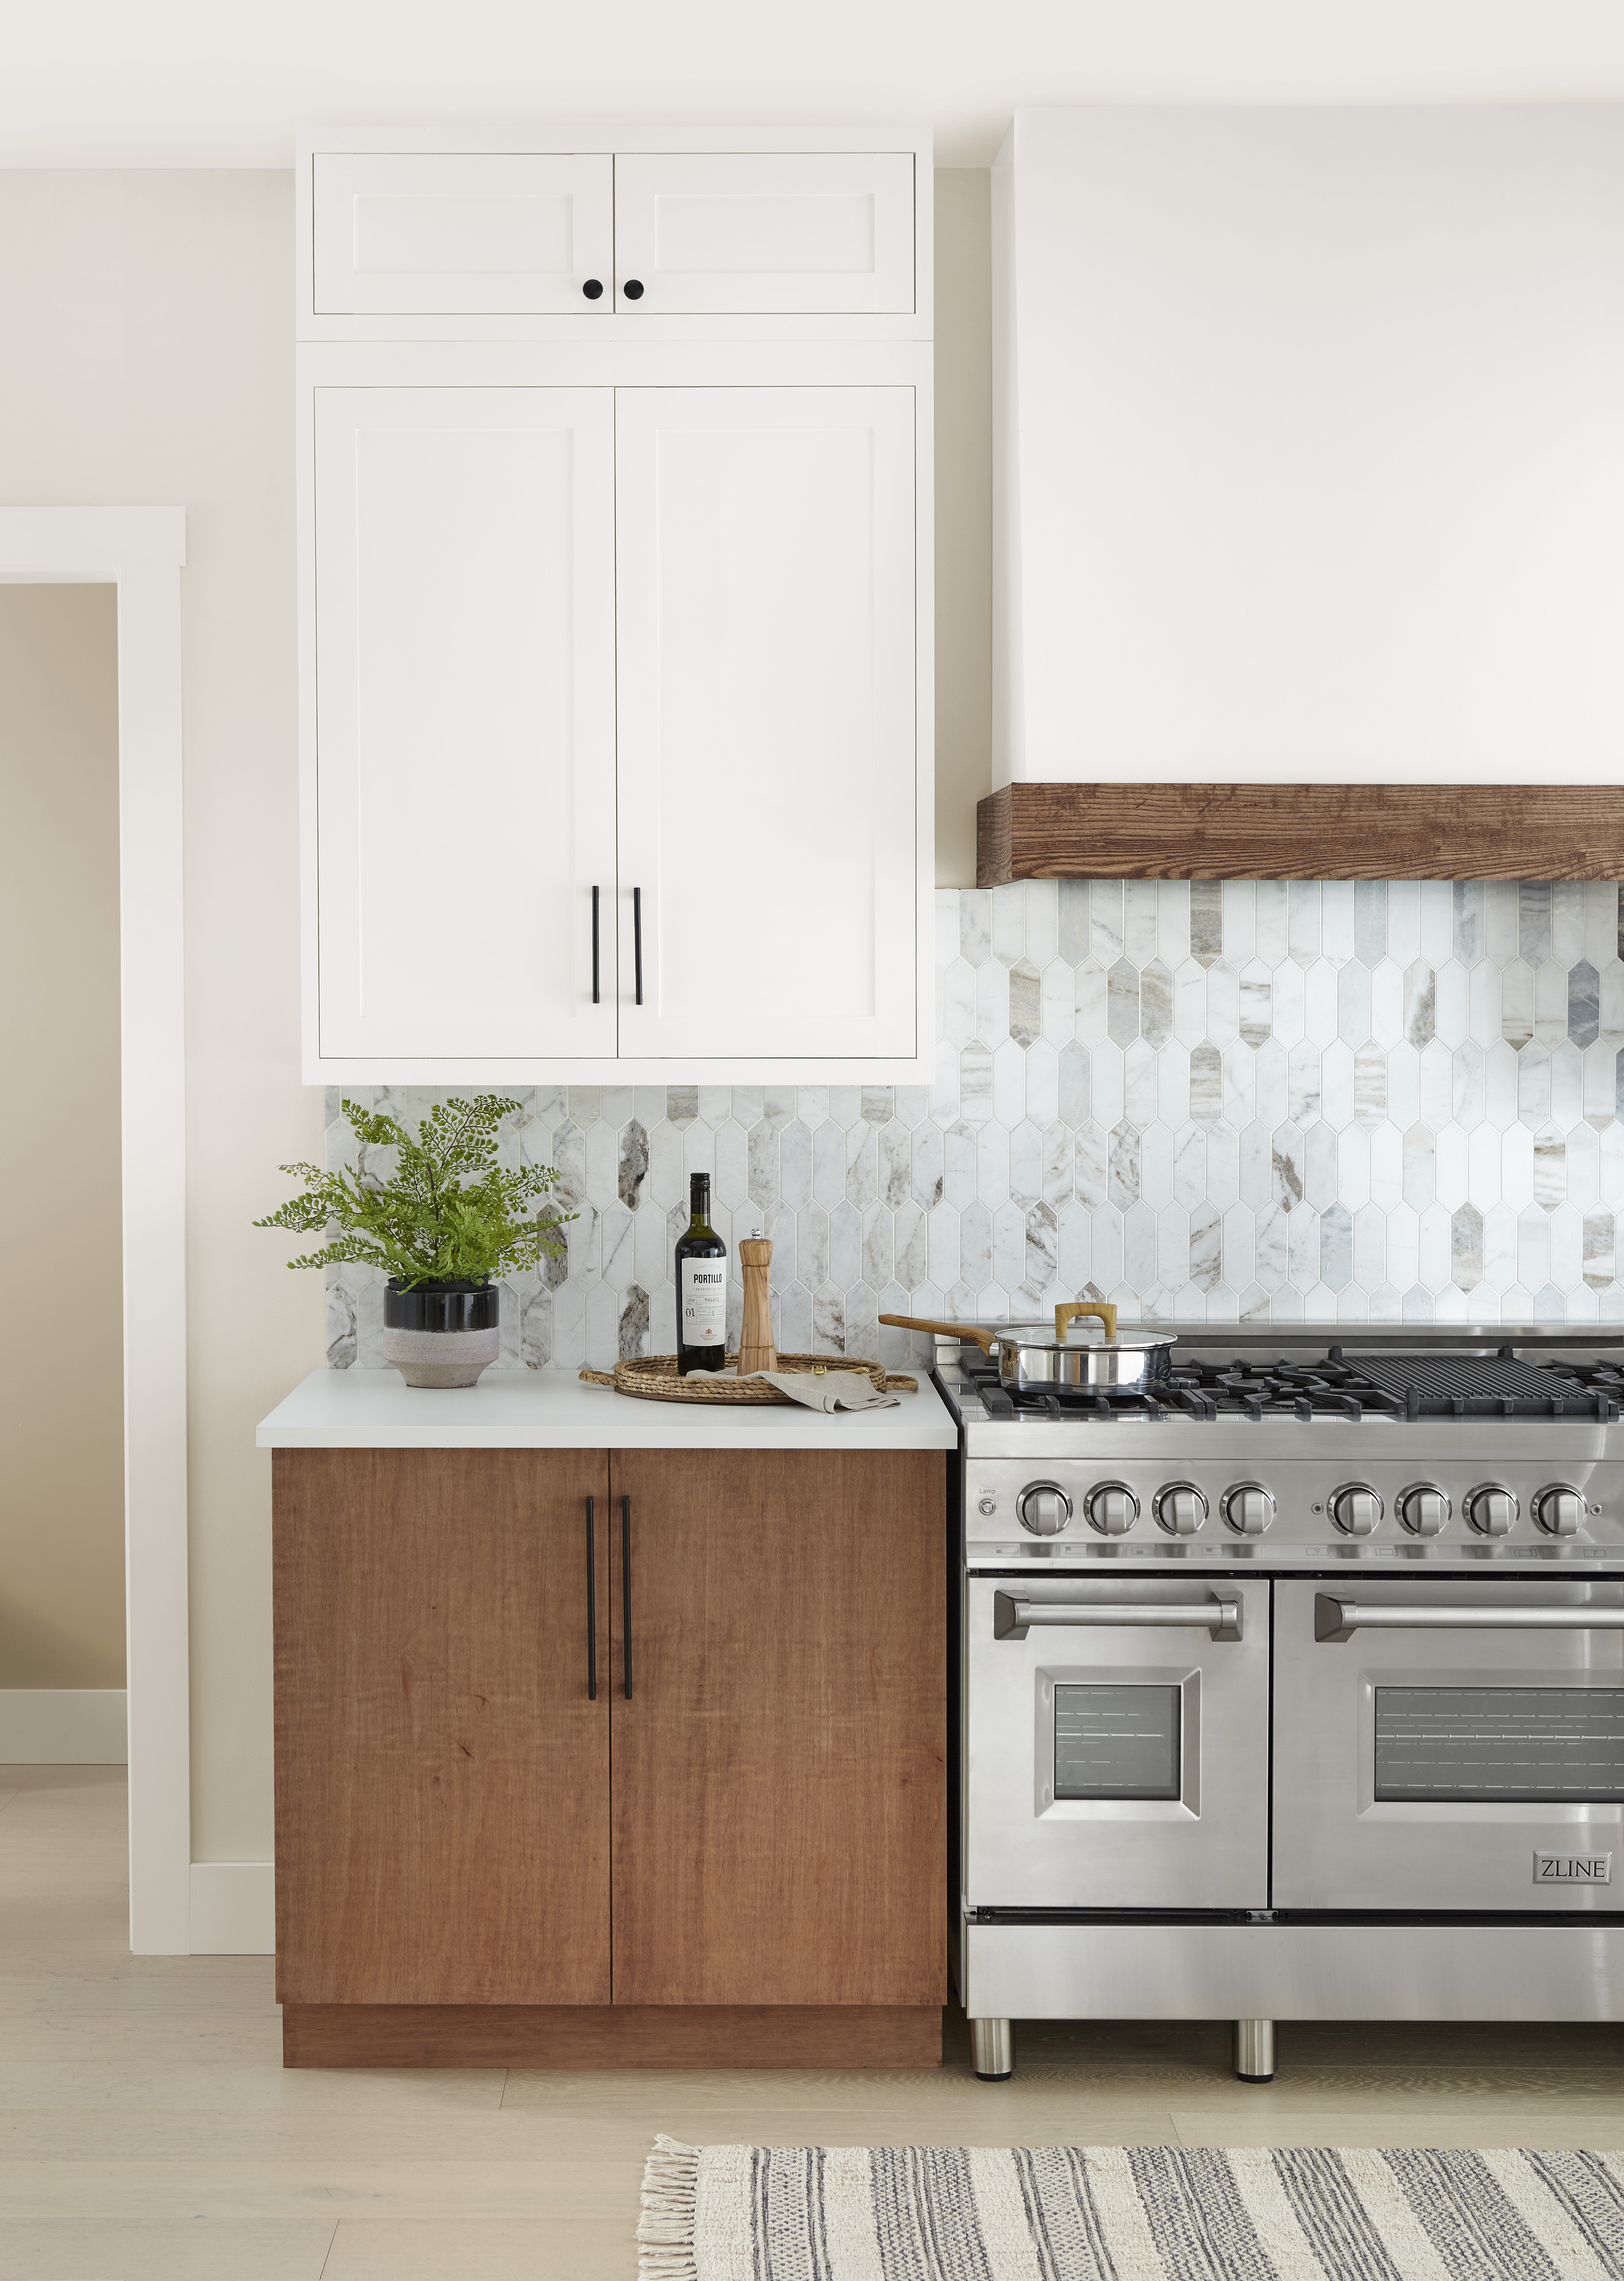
column 218, row 83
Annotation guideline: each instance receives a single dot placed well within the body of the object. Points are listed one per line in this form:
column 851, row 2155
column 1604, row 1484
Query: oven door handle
column 1012, row 1615
column 1336, row 1619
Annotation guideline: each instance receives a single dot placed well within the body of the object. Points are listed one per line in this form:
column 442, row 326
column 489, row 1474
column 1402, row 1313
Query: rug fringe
column 667, row 2249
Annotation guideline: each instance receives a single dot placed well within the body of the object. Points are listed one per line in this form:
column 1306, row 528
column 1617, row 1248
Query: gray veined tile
column 1468, row 939
column 895, row 1170
column 1056, row 1164
column 829, row 1165
column 1075, row 935
column 930, row 1164
column 1025, row 1162
column 862, row 1167
column 1466, row 1250
column 1568, row 899
column 1549, row 1169
column 1206, row 1247
column 958, row 1165
column 828, row 1320
column 1288, row 1156
column 1206, row 1083
column 1534, row 1084
column 1420, row 1167
column 976, row 925
column 1074, row 1083
column 1420, row 1014
column 1122, row 1003
column 1123, row 1172
column 1025, row 1002
column 1207, row 921
column 1105, row 919
column 1091, row 1166
column 878, row 1249
column 844, row 1245
column 878, row 1105
column 1583, row 1003
column 1599, row 1265
column 976, row 1084
column 1302, row 1082
column 1042, row 1253
column 1189, row 1166
column 1336, row 1247
column 1257, row 1002
column 1156, row 1002
column 1010, row 1250
column 1370, row 920
column 1534, row 921
column 1370, row 1085
column 761, row 1179
column 812, row 1259
column 1140, row 1090
column 1256, row 1180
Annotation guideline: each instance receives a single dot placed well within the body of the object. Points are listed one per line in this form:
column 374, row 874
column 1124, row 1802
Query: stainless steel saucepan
column 1031, row 1359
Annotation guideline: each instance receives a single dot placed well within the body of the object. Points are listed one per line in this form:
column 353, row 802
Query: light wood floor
column 149, row 2132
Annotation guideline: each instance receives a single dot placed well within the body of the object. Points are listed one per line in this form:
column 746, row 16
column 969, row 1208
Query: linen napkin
column 836, row 1389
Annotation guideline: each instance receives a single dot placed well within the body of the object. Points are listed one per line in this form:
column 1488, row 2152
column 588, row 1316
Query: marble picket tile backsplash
column 1253, row 1101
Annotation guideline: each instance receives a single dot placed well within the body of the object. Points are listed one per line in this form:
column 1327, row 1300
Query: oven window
column 1116, row 1742
column 1517, row 1745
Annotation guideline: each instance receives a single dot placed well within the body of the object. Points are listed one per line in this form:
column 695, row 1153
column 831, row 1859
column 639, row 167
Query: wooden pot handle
column 960, row 1331
column 1069, row 1310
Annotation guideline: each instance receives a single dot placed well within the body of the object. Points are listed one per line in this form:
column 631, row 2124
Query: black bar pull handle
column 592, row 1599
column 625, row 1586
column 594, row 945
column 637, row 937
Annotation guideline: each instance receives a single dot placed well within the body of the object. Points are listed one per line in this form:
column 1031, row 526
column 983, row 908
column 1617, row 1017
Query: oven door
column 1448, row 1745
column 1117, row 1744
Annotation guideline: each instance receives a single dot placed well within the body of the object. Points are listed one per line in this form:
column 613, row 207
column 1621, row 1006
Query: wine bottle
column 701, row 1286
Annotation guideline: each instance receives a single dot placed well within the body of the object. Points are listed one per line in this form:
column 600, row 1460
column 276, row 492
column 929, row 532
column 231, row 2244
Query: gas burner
column 1380, row 1386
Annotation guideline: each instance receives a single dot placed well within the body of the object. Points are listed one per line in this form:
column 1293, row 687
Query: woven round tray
column 655, row 1378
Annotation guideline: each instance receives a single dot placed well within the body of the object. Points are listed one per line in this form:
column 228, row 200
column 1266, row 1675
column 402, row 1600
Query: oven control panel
column 1479, row 1506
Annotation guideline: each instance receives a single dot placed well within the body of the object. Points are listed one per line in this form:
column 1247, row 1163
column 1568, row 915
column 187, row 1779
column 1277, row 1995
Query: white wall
column 1321, row 459
column 149, row 357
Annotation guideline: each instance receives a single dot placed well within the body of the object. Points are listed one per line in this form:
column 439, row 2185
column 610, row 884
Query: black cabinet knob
column 632, row 288
column 593, row 289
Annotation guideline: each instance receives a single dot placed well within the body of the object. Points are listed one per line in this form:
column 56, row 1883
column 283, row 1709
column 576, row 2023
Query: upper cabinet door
column 766, row 665
column 465, row 719
column 453, row 235
column 759, row 232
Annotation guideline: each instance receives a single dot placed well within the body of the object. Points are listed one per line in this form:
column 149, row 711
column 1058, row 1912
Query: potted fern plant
column 444, row 1225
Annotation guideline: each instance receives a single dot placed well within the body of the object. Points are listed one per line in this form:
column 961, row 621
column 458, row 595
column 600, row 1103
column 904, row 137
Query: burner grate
column 1490, row 1380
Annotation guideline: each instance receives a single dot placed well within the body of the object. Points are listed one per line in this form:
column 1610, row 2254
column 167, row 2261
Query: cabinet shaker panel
column 754, row 233
column 768, row 774
column 465, row 720
column 453, row 233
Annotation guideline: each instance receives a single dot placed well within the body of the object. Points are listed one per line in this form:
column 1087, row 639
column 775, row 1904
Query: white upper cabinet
column 615, row 671
column 465, row 721
column 767, row 744
column 451, row 234
column 763, row 232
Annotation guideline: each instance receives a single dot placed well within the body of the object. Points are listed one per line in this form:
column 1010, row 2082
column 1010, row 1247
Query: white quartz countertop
column 551, row 1410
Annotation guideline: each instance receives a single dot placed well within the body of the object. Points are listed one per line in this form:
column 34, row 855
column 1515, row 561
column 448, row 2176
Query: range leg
column 992, row 2050
column 1255, row 2050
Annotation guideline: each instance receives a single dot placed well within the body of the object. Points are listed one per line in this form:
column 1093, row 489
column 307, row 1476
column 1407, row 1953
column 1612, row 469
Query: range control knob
column 1560, row 1510
column 1423, row 1508
column 1180, row 1508
column 1492, row 1510
column 1248, row 1508
column 1044, row 1509
column 1112, row 1508
column 1356, row 1509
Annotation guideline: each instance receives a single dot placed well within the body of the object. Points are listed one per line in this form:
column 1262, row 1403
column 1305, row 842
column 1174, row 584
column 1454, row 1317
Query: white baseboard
column 234, row 1908
column 63, row 1727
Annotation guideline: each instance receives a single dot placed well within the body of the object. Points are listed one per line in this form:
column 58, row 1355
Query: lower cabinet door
column 442, row 1764
column 779, row 1727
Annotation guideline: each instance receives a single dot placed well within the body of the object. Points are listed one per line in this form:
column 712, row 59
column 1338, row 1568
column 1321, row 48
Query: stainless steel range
column 1295, row 1690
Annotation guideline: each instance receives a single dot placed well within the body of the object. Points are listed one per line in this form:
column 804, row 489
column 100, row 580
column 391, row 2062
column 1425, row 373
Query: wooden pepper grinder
column 757, row 1350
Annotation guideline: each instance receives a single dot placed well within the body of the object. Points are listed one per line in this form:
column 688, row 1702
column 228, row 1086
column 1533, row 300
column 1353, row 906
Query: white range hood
column 1310, row 445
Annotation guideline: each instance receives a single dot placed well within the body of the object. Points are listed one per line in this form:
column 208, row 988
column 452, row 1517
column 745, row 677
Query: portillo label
column 704, row 1302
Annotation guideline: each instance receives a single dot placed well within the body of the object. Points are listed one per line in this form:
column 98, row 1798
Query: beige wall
column 964, row 514
column 149, row 357
column 61, row 1435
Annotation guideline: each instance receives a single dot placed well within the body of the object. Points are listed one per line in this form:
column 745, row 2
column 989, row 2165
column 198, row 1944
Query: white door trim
column 141, row 551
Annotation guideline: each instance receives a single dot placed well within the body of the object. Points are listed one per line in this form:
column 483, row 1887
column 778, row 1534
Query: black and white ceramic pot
column 442, row 1333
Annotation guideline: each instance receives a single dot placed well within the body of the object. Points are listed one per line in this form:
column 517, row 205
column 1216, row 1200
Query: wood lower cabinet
column 779, row 1769
column 734, row 1854
column 442, row 1770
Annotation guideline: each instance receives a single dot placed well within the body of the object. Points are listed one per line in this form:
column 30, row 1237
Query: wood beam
column 1300, row 831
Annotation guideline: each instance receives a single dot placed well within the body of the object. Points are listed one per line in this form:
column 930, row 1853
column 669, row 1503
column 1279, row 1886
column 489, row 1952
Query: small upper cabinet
column 451, row 234
column 762, row 233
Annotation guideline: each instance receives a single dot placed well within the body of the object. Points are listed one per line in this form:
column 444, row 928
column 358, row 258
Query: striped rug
column 1128, row 2214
